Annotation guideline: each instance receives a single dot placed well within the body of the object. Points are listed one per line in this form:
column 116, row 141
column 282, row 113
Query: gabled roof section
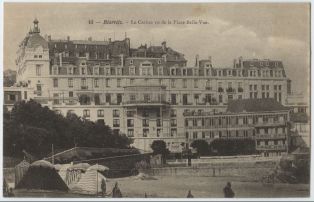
column 255, row 105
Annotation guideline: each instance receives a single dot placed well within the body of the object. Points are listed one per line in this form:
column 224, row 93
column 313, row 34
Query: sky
column 257, row 30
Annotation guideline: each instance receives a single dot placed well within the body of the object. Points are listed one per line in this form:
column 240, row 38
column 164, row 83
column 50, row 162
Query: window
column 145, row 123
column 100, row 113
column 158, row 132
column 130, row 113
column 173, row 83
column 118, row 82
column 83, row 70
column 132, row 71
column 55, row 83
column 173, row 122
column 83, row 83
column 131, row 81
column 194, row 135
column 158, row 123
column 255, row 87
column 70, row 83
column 251, row 87
column 116, row 122
column 184, row 83
column 130, row 132
column 116, row 113
column 131, row 62
column 220, row 98
column 86, row 113
column 108, row 98
column 70, row 71
column 96, row 83
column 12, row 97
column 71, row 94
column 145, row 132
column 130, row 123
column 195, row 83
column 173, row 132
column 35, row 56
column 173, row 113
column 107, row 82
column 38, row 70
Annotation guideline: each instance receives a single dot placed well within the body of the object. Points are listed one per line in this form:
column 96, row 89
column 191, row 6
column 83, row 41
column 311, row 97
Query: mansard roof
column 33, row 40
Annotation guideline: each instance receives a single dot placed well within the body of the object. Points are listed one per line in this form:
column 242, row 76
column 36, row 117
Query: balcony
column 84, row 87
column 271, row 147
column 149, row 96
column 270, row 136
column 269, row 124
column 230, row 90
column 220, row 90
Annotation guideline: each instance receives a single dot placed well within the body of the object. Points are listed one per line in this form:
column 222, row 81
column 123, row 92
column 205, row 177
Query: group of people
column 227, row 190
column 115, row 193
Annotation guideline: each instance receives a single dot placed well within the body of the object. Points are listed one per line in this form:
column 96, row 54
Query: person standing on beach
column 228, row 192
column 116, row 193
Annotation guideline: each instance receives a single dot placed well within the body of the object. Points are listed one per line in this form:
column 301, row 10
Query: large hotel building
column 149, row 93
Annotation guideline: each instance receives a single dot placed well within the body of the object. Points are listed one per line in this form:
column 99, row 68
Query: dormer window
column 159, row 61
column 35, row 56
column 131, row 62
column 40, row 56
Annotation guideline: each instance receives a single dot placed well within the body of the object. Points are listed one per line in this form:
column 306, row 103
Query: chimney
column 210, row 59
column 68, row 38
column 90, row 38
column 164, row 45
column 49, row 37
column 197, row 64
column 60, row 59
column 234, row 63
column 240, row 61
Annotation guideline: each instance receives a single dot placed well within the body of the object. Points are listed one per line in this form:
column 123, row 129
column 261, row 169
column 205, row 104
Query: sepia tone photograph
column 156, row 100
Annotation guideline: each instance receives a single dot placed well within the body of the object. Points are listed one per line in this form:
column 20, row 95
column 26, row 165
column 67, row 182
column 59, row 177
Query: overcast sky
column 275, row 31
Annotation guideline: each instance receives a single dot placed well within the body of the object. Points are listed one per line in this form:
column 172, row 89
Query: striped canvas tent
column 20, row 170
column 90, row 183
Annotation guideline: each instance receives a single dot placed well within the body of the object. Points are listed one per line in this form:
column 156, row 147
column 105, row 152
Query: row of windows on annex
column 85, row 84
column 270, row 142
column 219, row 134
column 201, row 99
column 147, row 133
column 224, row 121
column 87, row 70
column 243, row 73
column 100, row 113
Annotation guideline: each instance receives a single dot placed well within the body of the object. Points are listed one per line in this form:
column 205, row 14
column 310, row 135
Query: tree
column 201, row 146
column 160, row 147
column 34, row 128
column 227, row 147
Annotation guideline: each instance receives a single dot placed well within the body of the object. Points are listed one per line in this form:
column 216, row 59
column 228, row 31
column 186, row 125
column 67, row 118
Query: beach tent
column 90, row 183
column 63, row 171
column 20, row 170
column 42, row 175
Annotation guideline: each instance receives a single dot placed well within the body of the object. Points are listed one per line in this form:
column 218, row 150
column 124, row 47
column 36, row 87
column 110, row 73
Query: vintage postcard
column 156, row 100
